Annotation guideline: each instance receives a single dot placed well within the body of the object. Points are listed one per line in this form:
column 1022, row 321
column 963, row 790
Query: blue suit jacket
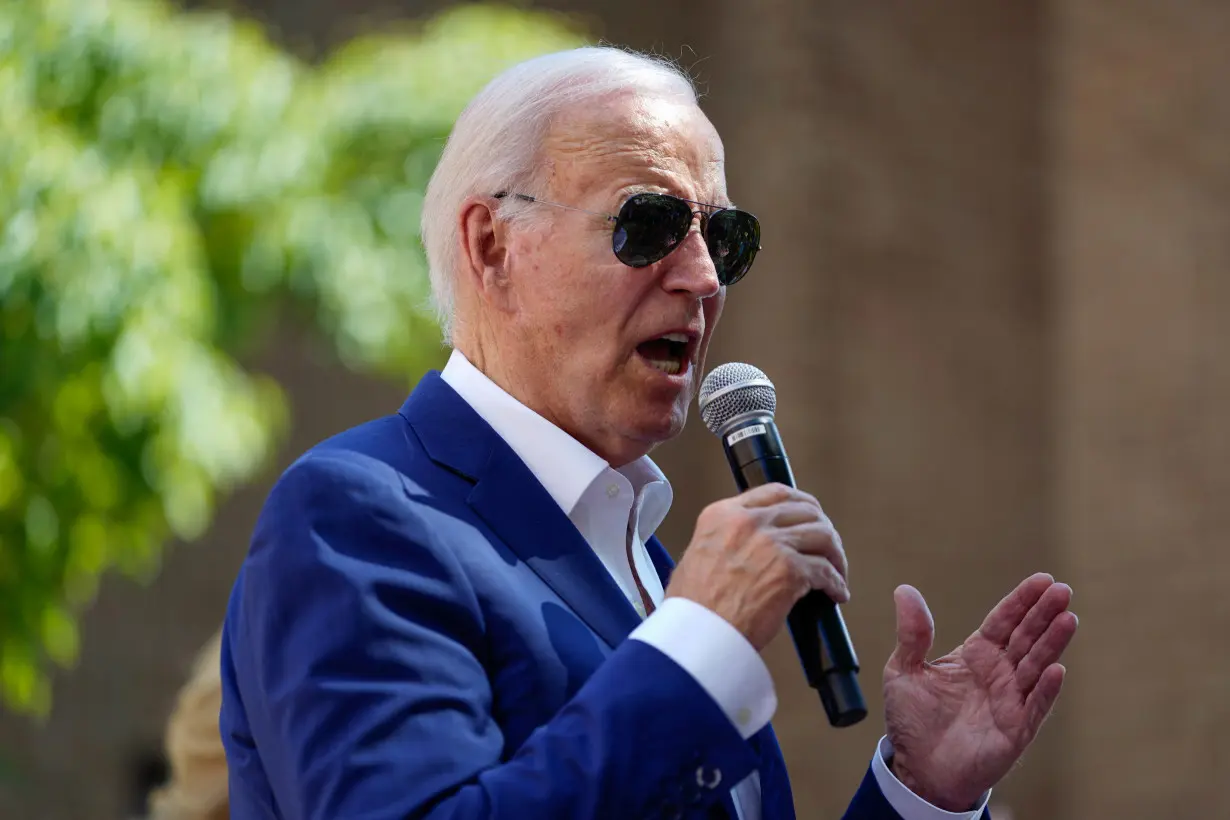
column 420, row 631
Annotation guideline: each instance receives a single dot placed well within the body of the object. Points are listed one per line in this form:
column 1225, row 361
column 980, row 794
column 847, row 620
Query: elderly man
column 461, row 611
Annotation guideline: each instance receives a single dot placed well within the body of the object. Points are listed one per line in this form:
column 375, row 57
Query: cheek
column 713, row 310
column 575, row 305
column 579, row 332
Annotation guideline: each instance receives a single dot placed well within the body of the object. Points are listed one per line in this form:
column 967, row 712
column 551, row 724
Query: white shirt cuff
column 907, row 804
column 717, row 655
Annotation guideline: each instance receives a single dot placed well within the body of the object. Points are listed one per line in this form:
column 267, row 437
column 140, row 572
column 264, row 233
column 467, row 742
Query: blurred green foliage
column 168, row 182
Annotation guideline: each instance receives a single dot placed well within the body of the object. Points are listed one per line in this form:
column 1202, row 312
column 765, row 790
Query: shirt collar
column 653, row 492
column 564, row 466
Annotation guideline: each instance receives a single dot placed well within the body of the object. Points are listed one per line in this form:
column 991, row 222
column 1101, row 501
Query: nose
column 689, row 269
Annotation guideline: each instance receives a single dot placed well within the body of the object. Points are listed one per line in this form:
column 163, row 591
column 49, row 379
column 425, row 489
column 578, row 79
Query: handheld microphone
column 737, row 403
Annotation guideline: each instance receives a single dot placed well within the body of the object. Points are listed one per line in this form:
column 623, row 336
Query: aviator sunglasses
column 649, row 226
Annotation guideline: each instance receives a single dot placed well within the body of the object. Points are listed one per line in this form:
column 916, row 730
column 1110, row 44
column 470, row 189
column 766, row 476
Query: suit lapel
column 528, row 520
column 512, row 502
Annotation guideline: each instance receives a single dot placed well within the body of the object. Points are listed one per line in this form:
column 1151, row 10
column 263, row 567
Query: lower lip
column 679, row 379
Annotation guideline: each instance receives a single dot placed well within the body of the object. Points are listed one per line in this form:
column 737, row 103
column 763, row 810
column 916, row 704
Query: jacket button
column 710, row 782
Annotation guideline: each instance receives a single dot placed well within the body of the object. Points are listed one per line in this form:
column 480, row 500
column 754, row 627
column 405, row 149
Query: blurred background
column 993, row 297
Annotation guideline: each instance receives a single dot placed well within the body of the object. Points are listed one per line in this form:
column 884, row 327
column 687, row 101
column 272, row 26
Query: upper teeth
column 676, row 337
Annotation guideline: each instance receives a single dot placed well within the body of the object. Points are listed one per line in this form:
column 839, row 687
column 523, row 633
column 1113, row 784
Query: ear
column 484, row 250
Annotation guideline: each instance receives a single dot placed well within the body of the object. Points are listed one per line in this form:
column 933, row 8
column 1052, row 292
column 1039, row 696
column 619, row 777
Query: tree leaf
column 169, row 182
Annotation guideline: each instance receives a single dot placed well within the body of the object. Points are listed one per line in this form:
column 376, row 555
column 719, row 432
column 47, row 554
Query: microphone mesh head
column 732, row 390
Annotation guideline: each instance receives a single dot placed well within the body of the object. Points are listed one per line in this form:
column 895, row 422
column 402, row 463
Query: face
column 582, row 337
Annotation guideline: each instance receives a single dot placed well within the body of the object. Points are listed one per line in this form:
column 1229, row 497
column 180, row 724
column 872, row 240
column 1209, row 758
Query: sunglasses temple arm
column 536, row 200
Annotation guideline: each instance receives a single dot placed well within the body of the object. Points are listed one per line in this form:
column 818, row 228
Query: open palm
column 957, row 724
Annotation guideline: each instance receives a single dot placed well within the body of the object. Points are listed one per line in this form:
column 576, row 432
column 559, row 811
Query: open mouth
column 668, row 353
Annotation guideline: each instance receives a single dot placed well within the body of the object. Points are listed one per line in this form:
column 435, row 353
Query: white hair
column 495, row 145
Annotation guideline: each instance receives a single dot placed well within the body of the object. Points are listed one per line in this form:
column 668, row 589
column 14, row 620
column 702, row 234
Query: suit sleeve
column 358, row 647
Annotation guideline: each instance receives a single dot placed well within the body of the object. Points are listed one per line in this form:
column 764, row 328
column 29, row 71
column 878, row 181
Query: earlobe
column 484, row 248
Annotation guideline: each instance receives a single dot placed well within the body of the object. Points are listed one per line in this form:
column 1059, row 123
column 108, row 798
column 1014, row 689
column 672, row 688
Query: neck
column 490, row 358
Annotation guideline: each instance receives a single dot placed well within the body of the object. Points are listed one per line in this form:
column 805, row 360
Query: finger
column 775, row 493
column 915, row 629
column 818, row 539
column 1042, row 699
column 1009, row 612
column 1047, row 650
column 823, row 577
column 789, row 513
column 1055, row 600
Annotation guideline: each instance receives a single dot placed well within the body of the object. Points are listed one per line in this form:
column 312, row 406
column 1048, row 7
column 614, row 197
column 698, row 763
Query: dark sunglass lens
column 650, row 226
column 733, row 238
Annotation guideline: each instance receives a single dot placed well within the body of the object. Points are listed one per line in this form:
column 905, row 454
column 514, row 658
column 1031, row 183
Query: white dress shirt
column 617, row 508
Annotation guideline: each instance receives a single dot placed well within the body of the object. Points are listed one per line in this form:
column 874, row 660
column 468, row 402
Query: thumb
column 915, row 629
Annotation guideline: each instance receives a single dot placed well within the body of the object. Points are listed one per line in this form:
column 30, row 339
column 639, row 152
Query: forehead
column 636, row 141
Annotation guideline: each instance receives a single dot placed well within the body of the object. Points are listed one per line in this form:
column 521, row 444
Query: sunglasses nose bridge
column 700, row 219
column 698, row 222
column 695, row 270
column 682, row 236
column 698, row 225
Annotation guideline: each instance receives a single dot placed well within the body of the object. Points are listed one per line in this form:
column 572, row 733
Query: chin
column 662, row 426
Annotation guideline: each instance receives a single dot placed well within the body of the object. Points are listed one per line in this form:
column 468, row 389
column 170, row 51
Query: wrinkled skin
column 959, row 723
column 547, row 312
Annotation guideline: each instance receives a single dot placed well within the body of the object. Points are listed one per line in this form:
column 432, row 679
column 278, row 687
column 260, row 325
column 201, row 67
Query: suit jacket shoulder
column 419, row 631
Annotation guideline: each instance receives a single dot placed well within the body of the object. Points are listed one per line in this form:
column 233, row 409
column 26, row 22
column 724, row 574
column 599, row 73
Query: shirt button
column 612, row 490
column 743, row 716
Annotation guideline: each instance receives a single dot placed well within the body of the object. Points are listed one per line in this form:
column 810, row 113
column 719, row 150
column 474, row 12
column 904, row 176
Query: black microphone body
column 756, row 455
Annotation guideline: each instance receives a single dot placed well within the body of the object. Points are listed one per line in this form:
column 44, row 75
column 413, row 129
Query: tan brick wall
column 1142, row 275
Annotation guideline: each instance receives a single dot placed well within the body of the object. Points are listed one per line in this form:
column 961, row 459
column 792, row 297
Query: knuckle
column 744, row 523
column 790, row 570
column 711, row 514
column 833, row 539
column 805, row 511
column 762, row 541
column 840, row 560
column 825, row 577
column 779, row 492
column 834, row 549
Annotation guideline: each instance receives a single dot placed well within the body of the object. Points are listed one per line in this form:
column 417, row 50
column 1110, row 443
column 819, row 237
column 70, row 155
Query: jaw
column 640, row 436
column 641, row 408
